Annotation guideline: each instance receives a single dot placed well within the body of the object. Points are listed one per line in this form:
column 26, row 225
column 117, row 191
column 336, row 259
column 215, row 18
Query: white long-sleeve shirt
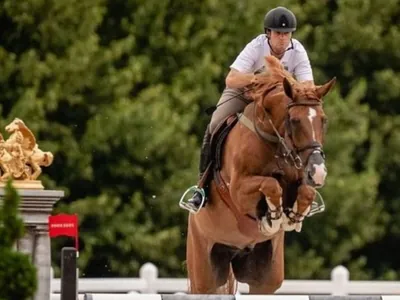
column 252, row 58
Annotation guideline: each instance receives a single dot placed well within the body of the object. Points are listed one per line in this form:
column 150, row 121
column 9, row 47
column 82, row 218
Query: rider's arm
column 303, row 71
column 242, row 68
column 236, row 79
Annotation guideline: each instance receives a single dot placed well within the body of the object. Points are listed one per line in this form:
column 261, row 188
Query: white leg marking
column 265, row 228
column 287, row 225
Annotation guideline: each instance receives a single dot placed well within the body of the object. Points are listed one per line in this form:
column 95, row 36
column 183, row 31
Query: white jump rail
column 150, row 283
column 232, row 297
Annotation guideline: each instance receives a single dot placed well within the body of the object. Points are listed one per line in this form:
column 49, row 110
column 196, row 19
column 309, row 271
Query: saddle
column 246, row 225
column 218, row 140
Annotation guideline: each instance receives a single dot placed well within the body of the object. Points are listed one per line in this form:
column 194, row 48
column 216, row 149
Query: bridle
column 289, row 154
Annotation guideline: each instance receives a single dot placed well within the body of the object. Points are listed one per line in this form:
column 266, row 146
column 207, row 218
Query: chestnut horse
column 264, row 176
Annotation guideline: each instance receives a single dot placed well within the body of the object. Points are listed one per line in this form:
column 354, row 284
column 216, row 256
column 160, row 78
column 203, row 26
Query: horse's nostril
column 311, row 180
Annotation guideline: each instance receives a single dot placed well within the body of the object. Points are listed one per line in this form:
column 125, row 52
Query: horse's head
column 299, row 113
column 15, row 125
column 306, row 125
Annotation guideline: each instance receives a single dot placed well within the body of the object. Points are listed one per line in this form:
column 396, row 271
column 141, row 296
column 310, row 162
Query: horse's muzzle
column 316, row 170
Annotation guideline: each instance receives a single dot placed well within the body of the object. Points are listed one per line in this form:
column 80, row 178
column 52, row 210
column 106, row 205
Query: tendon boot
column 205, row 159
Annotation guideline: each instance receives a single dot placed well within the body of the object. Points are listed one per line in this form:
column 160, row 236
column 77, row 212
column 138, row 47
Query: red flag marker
column 64, row 225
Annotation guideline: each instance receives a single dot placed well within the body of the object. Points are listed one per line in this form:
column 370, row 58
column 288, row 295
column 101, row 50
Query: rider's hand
column 256, row 79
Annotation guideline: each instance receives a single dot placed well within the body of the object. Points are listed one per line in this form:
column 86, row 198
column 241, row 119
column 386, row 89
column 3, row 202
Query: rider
column 279, row 23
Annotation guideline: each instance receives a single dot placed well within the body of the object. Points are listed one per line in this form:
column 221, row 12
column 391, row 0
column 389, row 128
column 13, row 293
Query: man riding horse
column 279, row 24
column 262, row 160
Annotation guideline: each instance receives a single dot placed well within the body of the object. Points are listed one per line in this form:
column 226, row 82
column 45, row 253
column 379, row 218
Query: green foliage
column 354, row 40
column 18, row 278
column 116, row 90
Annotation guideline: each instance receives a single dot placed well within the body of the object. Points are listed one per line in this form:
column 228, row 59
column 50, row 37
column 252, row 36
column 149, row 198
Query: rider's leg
column 235, row 102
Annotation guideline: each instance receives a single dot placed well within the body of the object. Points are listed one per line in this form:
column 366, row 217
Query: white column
column 42, row 261
column 35, row 208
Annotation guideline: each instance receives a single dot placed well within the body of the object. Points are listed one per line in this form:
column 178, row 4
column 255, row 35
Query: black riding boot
column 205, row 157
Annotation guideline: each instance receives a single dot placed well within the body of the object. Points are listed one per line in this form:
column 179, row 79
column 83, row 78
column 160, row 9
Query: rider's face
column 279, row 41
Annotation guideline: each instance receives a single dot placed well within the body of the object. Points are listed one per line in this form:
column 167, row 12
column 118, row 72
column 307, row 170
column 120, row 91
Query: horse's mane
column 276, row 71
column 275, row 74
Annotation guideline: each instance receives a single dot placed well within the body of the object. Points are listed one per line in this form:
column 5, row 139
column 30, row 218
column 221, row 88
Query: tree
column 18, row 277
column 362, row 53
column 116, row 90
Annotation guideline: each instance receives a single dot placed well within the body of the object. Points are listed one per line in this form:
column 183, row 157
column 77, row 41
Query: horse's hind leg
column 199, row 267
column 274, row 271
column 262, row 268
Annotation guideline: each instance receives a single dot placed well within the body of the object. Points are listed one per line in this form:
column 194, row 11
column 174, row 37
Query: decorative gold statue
column 20, row 157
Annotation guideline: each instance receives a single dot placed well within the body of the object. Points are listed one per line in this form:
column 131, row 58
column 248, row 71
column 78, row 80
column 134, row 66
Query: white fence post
column 51, row 280
column 340, row 279
column 149, row 273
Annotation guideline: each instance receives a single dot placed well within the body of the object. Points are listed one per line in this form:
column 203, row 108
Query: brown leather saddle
column 247, row 225
column 218, row 140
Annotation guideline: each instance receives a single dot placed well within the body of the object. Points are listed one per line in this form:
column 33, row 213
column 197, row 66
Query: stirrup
column 185, row 204
column 316, row 207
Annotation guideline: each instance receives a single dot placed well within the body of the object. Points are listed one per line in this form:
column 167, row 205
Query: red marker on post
column 64, row 225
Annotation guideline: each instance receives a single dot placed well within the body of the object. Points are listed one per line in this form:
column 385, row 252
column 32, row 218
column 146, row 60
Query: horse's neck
column 15, row 136
column 248, row 111
column 28, row 135
column 278, row 121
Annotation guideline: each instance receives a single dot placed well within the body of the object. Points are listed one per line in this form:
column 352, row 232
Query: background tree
column 116, row 90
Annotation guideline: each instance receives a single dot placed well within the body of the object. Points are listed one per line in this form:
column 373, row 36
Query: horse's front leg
column 293, row 217
column 247, row 192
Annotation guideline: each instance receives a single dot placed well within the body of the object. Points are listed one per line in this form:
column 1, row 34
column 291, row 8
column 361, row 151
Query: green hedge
column 18, row 278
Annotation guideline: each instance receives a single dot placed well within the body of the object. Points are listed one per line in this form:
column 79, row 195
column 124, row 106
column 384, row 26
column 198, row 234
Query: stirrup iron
column 316, row 207
column 185, row 204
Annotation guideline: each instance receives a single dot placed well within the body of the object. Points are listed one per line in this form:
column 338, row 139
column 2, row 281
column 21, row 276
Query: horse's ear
column 288, row 88
column 322, row 90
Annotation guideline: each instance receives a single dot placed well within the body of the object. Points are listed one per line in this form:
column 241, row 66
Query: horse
column 22, row 139
column 268, row 162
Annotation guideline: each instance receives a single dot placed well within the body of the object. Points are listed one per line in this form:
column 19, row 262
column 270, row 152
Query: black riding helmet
column 280, row 19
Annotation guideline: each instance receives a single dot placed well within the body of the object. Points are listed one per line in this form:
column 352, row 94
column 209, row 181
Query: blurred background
column 116, row 89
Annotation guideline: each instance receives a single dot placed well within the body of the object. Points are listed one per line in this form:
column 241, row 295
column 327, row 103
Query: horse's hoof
column 269, row 227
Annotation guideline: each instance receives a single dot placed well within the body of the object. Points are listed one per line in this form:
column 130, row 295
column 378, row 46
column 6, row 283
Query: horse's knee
column 271, row 187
